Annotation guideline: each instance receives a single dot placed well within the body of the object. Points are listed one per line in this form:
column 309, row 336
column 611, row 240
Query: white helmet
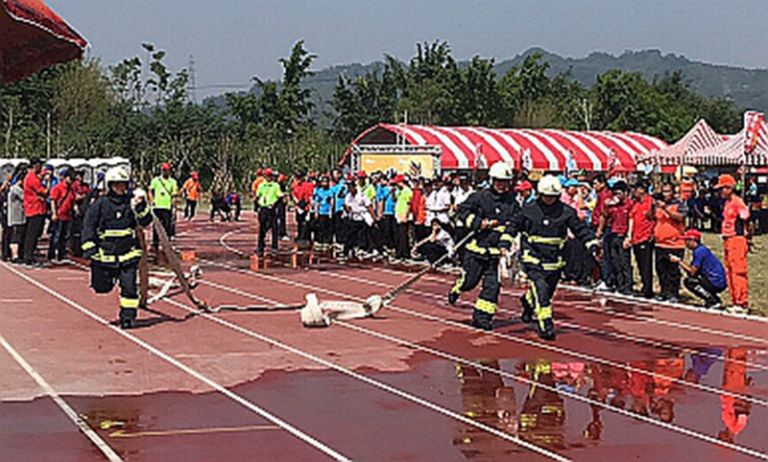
column 550, row 185
column 116, row 175
column 501, row 171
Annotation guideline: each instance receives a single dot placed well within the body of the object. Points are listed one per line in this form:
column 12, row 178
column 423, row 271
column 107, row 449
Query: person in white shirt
column 439, row 205
column 434, row 247
column 359, row 211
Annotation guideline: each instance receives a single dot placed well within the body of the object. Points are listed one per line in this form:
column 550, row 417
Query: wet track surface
column 623, row 380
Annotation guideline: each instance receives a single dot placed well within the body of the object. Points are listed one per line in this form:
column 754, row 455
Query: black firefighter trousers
column 478, row 268
column 103, row 279
column 541, row 288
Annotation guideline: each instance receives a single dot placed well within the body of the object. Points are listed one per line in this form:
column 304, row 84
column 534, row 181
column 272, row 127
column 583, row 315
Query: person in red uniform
column 302, row 191
column 62, row 207
column 736, row 232
column 617, row 210
column 670, row 213
column 35, row 209
column 640, row 236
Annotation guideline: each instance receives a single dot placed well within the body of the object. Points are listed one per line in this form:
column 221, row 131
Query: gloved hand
column 90, row 253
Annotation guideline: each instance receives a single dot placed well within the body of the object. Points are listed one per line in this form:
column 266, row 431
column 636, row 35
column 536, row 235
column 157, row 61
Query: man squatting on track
column 543, row 224
column 109, row 240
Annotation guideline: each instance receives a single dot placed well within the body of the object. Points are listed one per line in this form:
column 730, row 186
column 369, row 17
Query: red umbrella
column 33, row 37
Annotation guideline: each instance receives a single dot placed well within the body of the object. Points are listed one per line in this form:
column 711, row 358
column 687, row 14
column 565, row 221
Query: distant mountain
column 748, row 88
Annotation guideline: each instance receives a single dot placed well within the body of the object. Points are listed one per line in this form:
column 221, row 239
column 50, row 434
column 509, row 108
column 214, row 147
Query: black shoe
column 453, row 297
column 527, row 315
column 482, row 320
column 126, row 323
column 546, row 329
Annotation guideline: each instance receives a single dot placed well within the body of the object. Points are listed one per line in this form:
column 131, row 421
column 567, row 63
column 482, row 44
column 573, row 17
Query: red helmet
column 166, row 166
column 281, row 178
column 398, row 179
column 362, row 174
column 259, row 172
column 195, row 175
column 267, row 172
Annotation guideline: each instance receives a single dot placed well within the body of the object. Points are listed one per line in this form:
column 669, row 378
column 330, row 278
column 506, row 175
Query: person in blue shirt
column 706, row 275
column 385, row 210
column 322, row 206
column 339, row 190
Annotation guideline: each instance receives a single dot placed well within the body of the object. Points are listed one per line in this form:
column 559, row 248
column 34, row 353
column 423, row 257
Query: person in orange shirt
column 191, row 190
column 670, row 213
column 736, row 232
column 258, row 181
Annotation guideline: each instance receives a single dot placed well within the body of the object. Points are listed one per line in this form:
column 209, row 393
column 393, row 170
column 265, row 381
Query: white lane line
column 665, row 425
column 516, row 339
column 375, row 383
column 102, row 445
column 639, row 340
column 16, row 300
column 199, row 376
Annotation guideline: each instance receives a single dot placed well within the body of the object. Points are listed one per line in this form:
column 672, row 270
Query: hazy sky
column 233, row 40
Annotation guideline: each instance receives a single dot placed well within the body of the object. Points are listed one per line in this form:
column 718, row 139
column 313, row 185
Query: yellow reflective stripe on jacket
column 553, row 266
column 135, row 253
column 545, row 240
column 143, row 213
column 104, row 258
column 485, row 306
column 116, row 233
column 88, row 245
column 470, row 219
column 499, row 229
column 473, row 247
column 528, row 258
column 126, row 302
column 591, row 243
column 507, row 238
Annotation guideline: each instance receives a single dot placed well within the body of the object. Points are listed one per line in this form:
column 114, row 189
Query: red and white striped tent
column 703, row 146
column 548, row 149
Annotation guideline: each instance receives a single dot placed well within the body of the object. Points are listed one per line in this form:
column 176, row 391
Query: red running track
column 621, row 382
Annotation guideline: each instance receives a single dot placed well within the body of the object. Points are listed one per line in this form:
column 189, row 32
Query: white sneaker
column 602, row 287
column 736, row 309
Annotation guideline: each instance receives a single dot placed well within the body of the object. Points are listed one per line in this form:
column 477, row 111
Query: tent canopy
column 555, row 150
column 33, row 37
column 703, row 146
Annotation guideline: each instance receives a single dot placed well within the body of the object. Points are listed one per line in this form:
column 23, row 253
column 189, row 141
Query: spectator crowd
column 644, row 224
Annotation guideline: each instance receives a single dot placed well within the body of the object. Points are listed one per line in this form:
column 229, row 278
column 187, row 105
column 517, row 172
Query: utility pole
column 192, row 83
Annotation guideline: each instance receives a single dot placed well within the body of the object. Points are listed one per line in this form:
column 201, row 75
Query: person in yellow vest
column 163, row 191
column 267, row 197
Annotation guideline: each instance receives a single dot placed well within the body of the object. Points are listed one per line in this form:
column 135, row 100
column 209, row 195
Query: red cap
column 281, row 178
column 362, row 174
column 524, row 185
column 195, row 175
column 165, row 166
column 267, row 172
column 398, row 179
column 259, row 172
column 725, row 181
column 692, row 234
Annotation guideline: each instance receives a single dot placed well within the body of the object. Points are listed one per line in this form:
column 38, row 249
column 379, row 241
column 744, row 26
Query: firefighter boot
column 527, row 315
column 482, row 320
column 546, row 329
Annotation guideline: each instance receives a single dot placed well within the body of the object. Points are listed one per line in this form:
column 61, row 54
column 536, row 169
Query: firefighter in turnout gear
column 544, row 225
column 487, row 213
column 109, row 240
